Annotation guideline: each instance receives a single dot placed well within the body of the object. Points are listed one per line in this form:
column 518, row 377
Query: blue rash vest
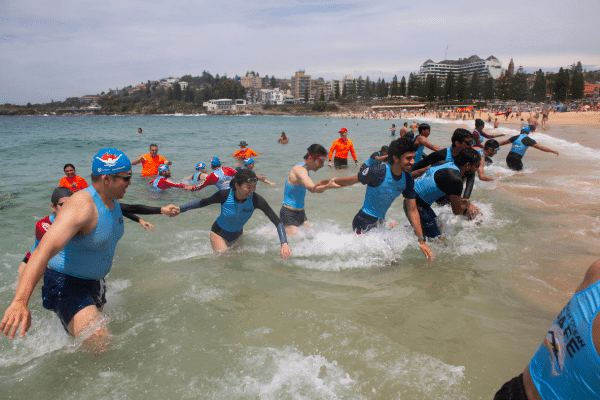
column 234, row 215
column 293, row 196
column 223, row 182
column 196, row 175
column 155, row 184
column 371, row 161
column 426, row 187
column 419, row 152
column 518, row 147
column 476, row 132
column 378, row 199
column 90, row 256
column 567, row 365
column 449, row 154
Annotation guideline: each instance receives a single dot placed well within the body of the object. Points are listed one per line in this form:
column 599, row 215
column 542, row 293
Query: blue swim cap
column 163, row 168
column 110, row 161
column 215, row 162
column 248, row 161
column 525, row 128
column 200, row 166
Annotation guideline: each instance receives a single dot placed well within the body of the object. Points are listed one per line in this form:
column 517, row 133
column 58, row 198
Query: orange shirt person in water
column 341, row 147
column 72, row 181
column 245, row 152
column 151, row 161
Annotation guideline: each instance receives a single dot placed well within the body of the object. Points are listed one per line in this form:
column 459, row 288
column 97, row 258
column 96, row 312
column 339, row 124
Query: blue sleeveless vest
column 379, row 199
column 90, row 256
column 425, row 186
column 449, row 154
column 293, row 196
column 419, row 152
column 567, row 365
column 518, row 147
column 234, row 215
column 196, row 175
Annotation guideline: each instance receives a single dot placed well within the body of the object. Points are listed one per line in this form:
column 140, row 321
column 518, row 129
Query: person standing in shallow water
column 341, row 147
column 71, row 180
column 283, row 139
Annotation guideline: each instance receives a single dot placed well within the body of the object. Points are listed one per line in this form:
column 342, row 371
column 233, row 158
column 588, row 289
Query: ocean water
column 359, row 317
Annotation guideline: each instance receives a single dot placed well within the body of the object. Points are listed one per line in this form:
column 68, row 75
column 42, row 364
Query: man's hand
column 146, row 225
column 171, row 210
column 285, row 252
column 426, row 250
column 16, row 314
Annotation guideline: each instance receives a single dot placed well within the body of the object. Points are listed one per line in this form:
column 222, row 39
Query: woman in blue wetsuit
column 237, row 206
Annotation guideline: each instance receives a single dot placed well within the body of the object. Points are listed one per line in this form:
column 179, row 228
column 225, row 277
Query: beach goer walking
column 220, row 176
column 237, row 206
column 88, row 228
column 245, row 151
column 341, row 147
column 393, row 130
column 151, row 161
column 520, row 144
column 404, row 129
column 565, row 366
column 532, row 121
column 292, row 212
column 71, row 180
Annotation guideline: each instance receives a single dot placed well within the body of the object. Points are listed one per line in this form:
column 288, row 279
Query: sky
column 57, row 49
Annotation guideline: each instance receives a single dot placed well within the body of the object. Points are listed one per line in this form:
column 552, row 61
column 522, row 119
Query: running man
column 445, row 178
column 393, row 130
column 341, row 147
column 378, row 157
column 151, row 161
column 478, row 133
column 520, row 144
column 490, row 149
column 220, row 176
column 237, row 206
column 421, row 141
column 385, row 182
column 88, row 228
column 245, row 152
column 72, row 181
column 162, row 181
column 298, row 182
column 565, row 365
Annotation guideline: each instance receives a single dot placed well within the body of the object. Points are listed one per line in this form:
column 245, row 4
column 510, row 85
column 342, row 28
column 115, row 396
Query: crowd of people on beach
column 75, row 246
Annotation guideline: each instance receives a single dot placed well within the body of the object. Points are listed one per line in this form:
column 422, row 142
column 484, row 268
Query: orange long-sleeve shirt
column 67, row 182
column 342, row 148
column 247, row 152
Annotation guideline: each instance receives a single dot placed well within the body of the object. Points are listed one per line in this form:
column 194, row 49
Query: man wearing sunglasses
column 88, row 228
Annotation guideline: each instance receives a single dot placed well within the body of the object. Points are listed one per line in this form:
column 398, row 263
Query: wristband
column 422, row 239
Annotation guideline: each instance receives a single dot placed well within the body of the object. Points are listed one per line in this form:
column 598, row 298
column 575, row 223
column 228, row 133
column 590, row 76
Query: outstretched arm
column 545, row 149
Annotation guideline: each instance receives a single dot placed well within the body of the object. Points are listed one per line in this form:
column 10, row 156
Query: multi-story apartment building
column 251, row 81
column 300, row 84
column 491, row 66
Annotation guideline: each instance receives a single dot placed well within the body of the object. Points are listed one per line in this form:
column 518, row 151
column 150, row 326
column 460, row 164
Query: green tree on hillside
column 539, row 86
column 577, row 81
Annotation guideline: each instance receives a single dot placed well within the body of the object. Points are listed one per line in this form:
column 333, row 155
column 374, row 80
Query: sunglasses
column 250, row 180
column 126, row 178
column 318, row 158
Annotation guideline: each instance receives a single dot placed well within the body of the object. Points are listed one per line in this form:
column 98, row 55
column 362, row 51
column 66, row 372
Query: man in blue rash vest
column 378, row 157
column 249, row 164
column 237, row 206
column 298, row 182
column 478, row 133
column 490, row 149
column 88, row 228
column 199, row 175
column 567, row 363
column 385, row 182
column 421, row 141
column 445, row 178
column 520, row 144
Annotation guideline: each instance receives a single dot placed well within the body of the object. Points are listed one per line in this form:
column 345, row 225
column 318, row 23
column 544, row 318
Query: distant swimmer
column 200, row 173
column 566, row 364
column 249, row 164
column 162, row 181
column 446, row 179
column 140, row 131
column 220, row 176
column 341, row 147
column 245, row 151
column 151, row 161
column 490, row 149
column 478, row 133
column 237, row 206
column 421, row 141
column 71, row 180
column 393, row 130
column 520, row 144
column 298, row 182
column 404, row 129
column 378, row 157
column 283, row 139
column 385, row 182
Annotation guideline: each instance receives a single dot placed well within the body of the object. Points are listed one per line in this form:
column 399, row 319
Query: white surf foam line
column 204, row 294
column 189, row 244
